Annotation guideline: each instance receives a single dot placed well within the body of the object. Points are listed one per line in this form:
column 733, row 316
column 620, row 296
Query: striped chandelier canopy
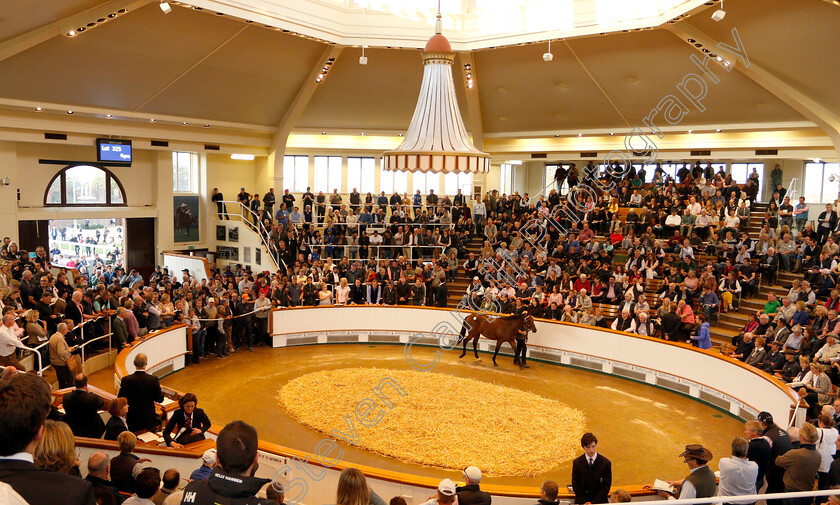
column 436, row 140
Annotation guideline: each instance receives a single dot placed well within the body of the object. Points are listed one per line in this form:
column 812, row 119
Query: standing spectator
column 470, row 493
column 780, row 444
column 82, row 410
column 24, row 405
column 800, row 213
column 738, row 474
column 262, row 306
column 141, row 390
column 801, row 465
column 701, row 338
column 221, row 208
column 591, row 473
column 60, row 353
column 827, row 446
column 10, row 342
column 758, row 451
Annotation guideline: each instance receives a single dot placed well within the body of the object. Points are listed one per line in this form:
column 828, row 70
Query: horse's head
column 529, row 323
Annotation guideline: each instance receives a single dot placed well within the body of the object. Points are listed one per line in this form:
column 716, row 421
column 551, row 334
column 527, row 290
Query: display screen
column 113, row 151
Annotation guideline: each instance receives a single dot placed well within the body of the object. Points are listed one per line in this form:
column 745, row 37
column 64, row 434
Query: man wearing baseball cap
column 780, row 443
column 208, row 463
column 445, row 494
column 469, row 493
column 701, row 482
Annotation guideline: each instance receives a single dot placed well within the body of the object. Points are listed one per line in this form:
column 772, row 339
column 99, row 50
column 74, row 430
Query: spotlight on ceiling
column 38, row 109
column 164, row 6
column 548, row 56
column 719, row 14
column 108, row 116
column 362, row 60
column 718, row 130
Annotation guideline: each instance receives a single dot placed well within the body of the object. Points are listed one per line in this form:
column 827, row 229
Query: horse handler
column 521, row 347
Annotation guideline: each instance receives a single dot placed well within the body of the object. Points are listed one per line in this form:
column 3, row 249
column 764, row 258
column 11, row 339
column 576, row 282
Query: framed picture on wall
column 233, row 234
column 246, row 254
column 221, row 233
column 186, row 218
column 257, row 256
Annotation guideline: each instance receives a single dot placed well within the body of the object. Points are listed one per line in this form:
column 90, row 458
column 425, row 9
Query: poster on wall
column 246, row 254
column 186, row 218
column 221, row 233
column 233, row 234
column 258, row 252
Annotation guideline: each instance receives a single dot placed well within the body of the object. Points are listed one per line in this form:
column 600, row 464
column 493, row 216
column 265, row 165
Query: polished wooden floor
column 641, row 428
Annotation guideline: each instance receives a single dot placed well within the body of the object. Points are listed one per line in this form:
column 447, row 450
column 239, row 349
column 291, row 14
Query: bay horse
column 501, row 329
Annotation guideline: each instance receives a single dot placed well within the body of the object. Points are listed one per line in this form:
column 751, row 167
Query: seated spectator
column 744, row 348
column 208, row 463
column 117, row 424
column 470, row 493
column 24, row 405
column 756, row 357
column 277, row 495
column 445, row 495
column 56, row 450
column 146, row 486
column 237, row 457
column 126, row 465
column 169, row 488
column 99, row 467
column 620, row 495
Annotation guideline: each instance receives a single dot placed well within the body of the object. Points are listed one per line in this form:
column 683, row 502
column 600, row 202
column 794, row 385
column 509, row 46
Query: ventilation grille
column 55, row 136
column 160, row 143
column 701, row 153
column 211, row 147
column 766, row 152
column 539, row 156
column 588, row 155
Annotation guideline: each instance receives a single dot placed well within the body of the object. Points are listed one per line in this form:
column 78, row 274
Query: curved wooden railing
column 397, row 321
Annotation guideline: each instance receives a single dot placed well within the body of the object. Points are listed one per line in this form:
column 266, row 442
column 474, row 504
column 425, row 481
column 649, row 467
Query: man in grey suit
column 119, row 329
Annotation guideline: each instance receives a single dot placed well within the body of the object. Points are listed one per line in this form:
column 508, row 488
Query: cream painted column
column 162, row 170
column 8, row 194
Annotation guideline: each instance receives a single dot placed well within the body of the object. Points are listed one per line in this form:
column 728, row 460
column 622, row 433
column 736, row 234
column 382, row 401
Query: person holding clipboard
column 188, row 422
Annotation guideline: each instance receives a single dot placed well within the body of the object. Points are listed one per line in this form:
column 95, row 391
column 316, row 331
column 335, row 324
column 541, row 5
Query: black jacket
column 107, row 486
column 591, row 483
column 82, row 413
column 223, row 487
column 472, row 495
column 113, row 429
column 41, row 487
column 142, row 391
column 176, row 423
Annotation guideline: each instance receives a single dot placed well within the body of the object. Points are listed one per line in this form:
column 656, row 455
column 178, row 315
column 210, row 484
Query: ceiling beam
column 476, row 125
column 810, row 108
column 41, row 34
column 274, row 168
column 596, row 83
column 191, row 68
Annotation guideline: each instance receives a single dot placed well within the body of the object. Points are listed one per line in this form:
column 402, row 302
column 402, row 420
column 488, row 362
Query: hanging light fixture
column 436, row 140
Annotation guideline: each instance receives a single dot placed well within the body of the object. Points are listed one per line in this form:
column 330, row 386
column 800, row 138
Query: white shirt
column 8, row 341
column 737, row 477
column 827, row 445
column 9, row 496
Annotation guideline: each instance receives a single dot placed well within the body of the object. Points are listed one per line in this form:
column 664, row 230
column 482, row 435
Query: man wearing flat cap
column 701, row 482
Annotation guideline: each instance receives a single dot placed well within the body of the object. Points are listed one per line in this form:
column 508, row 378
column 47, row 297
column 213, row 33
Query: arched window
column 84, row 186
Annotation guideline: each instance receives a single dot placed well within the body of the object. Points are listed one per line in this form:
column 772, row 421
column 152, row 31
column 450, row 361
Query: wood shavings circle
column 441, row 421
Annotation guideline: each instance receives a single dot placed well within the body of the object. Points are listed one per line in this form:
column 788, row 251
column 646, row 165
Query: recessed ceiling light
column 207, row 126
column 400, row 134
column 108, row 116
column 184, row 123
column 152, row 120
column 69, row 111
column 556, row 135
column 362, row 133
column 38, row 109
column 690, row 131
column 323, row 133
column 580, row 135
column 718, row 130
column 71, row 33
column 611, row 134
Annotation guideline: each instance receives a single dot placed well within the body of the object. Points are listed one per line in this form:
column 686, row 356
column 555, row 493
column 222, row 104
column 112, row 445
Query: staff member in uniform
column 591, row 473
column 521, row 347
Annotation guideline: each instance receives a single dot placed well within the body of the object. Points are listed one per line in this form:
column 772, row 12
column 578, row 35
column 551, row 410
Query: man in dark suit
column 119, row 329
column 99, row 466
column 82, row 408
column 591, row 473
column 470, row 493
column 24, row 405
column 142, row 391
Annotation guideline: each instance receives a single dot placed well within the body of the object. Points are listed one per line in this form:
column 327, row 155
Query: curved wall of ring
column 706, row 376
